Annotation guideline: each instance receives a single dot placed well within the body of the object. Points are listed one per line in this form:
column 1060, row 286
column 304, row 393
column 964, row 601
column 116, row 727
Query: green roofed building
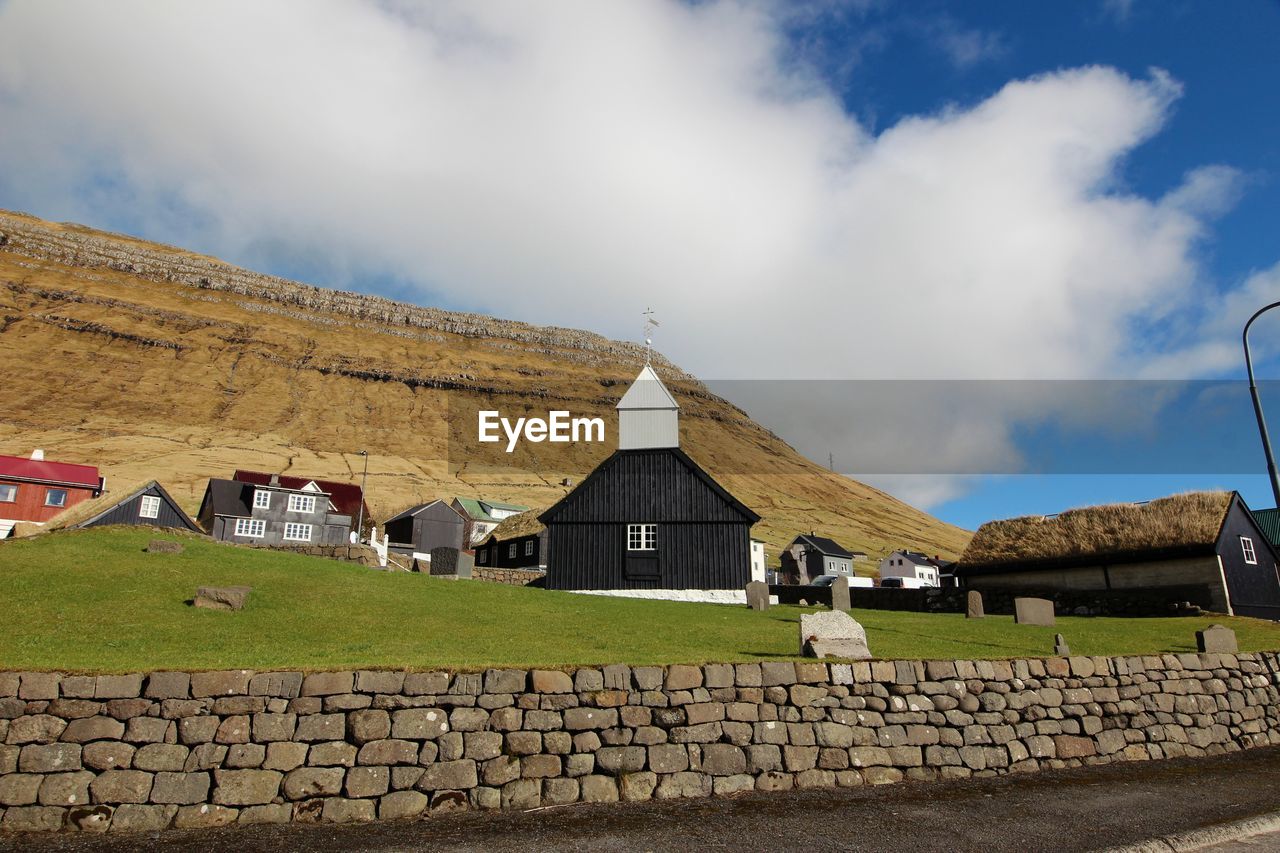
column 484, row 515
column 1269, row 523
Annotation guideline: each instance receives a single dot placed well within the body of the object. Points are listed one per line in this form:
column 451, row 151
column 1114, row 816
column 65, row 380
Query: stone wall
column 511, row 577
column 144, row 752
column 362, row 554
column 1149, row 601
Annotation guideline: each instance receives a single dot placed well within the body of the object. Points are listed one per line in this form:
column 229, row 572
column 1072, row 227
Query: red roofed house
column 37, row 490
column 345, row 497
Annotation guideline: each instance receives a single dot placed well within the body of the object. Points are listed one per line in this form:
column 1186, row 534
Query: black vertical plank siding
column 1254, row 588
column 127, row 513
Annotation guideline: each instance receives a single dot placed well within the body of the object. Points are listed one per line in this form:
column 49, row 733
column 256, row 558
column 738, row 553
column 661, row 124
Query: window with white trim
column 642, row 537
column 55, row 497
column 1246, row 547
column 150, row 507
column 254, row 528
column 261, row 499
column 528, row 548
column 302, row 503
column 294, row 532
column 8, row 494
column 511, row 550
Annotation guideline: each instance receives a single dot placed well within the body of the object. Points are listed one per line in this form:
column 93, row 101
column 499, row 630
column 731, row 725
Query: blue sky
column 836, row 191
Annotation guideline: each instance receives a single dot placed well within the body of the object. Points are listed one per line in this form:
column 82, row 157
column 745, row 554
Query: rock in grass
column 832, row 633
column 222, row 597
column 163, row 546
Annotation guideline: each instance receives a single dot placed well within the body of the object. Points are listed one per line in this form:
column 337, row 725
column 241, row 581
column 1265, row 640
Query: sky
column 870, row 190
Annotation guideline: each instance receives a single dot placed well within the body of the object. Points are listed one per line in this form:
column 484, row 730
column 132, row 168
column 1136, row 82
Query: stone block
column 20, row 789
column 505, row 680
column 269, row 728
column 49, row 758
column 758, row 595
column 402, row 805
column 375, row 681
column 73, row 709
column 118, row 686
column 468, row 719
column 307, row 782
column 840, row 594
column 419, row 723
column 224, row 683
column 321, row 727
column 160, row 756
column 550, row 681
column 222, row 597
column 279, row 685
column 272, row 813
column 66, row 789
column 163, row 546
column 34, row 818
column 426, row 683
column 327, row 683
column 35, row 728
column 341, row 810
column 121, row 786
column 367, row 782
column 367, row 725
column 1217, row 639
column 245, row 756
column 246, row 787
column 617, row 760
column 332, row 754
column 772, row 673
column 234, row 729
column 167, row 685
column 388, row 752
column 204, row 816
column 723, row 759
column 89, row 729
column 449, row 775
column 107, row 755
column 284, row 755
column 687, row 784
column 582, row 719
column 194, row 730
column 35, row 686
column 1033, row 611
column 522, row 794
column 681, row 677
column 599, row 789
column 973, row 605
column 180, row 788
column 832, row 634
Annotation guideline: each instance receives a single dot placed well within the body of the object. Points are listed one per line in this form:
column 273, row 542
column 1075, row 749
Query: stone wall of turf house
column 147, row 751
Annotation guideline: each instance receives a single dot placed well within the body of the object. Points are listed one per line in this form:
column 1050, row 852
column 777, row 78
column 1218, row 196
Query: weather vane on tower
column 649, row 325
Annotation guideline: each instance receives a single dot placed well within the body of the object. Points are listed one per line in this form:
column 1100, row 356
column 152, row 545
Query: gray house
column 148, row 504
column 810, row 556
column 430, row 525
column 255, row 514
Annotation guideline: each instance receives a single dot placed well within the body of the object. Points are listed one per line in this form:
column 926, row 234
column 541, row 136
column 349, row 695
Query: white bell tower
column 648, row 416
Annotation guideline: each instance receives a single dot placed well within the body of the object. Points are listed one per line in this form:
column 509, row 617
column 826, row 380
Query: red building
column 36, row 490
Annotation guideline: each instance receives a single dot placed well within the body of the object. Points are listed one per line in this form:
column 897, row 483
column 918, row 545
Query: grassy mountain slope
column 151, row 361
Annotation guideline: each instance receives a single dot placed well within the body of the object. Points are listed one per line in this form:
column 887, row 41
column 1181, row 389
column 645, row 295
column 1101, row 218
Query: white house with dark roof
column 912, row 565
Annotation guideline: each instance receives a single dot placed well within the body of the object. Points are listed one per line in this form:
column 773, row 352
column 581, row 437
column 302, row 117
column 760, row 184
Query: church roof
column 647, row 392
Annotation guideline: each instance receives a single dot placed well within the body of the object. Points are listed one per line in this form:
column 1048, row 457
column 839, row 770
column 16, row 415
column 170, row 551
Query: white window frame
column 49, row 493
column 642, row 537
column 1246, row 548
column 294, row 532
column 297, row 502
column 528, row 547
column 149, row 507
column 250, row 528
column 13, row 493
column 261, row 499
column 511, row 550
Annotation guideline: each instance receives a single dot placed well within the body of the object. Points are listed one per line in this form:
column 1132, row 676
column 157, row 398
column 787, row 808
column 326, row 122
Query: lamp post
column 363, row 478
column 1257, row 405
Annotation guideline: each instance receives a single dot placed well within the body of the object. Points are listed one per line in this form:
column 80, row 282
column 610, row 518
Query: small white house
column 912, row 566
column 758, row 572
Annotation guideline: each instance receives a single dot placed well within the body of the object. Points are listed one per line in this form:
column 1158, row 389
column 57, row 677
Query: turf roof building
column 649, row 521
column 484, row 515
column 1206, row 541
column 519, row 542
column 148, row 504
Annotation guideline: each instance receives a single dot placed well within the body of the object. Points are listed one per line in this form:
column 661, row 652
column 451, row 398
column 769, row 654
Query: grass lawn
column 95, row 601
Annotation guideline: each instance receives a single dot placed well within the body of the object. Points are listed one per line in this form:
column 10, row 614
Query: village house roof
column 50, row 473
column 823, row 545
column 229, row 497
column 345, row 497
column 417, row 508
column 87, row 512
column 1269, row 522
column 1187, row 523
column 647, row 392
column 479, row 509
column 516, row 527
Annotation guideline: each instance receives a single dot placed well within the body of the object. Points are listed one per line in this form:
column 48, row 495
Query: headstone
column 451, row 562
column 974, row 609
column 222, row 597
column 163, row 546
column 832, row 633
column 1217, row 639
column 1060, row 647
column 758, row 595
column 1033, row 611
column 840, row 594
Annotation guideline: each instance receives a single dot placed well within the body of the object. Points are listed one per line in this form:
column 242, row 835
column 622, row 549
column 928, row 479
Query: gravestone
column 832, row 633
column 973, row 608
column 222, row 597
column 451, row 562
column 163, row 546
column 1060, row 647
column 1217, row 639
column 758, row 595
column 1033, row 611
column 840, row 594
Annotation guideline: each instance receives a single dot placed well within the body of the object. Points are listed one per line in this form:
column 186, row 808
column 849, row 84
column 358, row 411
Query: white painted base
column 706, row 596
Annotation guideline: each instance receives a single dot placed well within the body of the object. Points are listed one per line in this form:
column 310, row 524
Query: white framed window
column 511, row 550
column 261, row 499
column 294, row 532
column 8, row 493
column 253, row 528
column 55, row 497
column 1246, row 547
column 642, row 537
column 302, row 503
column 150, row 507
column 528, row 548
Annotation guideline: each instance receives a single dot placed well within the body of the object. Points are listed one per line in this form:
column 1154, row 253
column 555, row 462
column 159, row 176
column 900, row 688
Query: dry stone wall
column 510, row 577
column 143, row 752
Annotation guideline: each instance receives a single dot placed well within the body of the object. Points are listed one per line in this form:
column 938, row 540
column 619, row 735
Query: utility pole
column 1257, row 405
column 363, row 478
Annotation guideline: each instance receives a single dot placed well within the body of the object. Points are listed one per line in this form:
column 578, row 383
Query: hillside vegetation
column 153, row 362
column 94, row 600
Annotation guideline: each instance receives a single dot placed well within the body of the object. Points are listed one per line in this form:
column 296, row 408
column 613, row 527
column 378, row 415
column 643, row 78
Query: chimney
column 37, row 455
column 275, row 479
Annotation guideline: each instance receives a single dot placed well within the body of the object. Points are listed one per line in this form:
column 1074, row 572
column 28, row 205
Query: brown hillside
column 154, row 362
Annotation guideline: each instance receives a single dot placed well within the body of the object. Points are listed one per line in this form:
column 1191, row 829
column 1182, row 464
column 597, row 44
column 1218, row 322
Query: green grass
column 95, row 601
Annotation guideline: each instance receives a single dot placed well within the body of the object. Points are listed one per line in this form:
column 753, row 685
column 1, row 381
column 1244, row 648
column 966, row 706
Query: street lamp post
column 1257, row 405
column 363, row 478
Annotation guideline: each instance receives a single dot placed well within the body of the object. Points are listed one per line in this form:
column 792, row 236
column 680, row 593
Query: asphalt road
column 1070, row 810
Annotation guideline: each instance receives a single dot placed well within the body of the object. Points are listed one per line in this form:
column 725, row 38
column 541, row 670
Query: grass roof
column 1185, row 520
column 516, row 526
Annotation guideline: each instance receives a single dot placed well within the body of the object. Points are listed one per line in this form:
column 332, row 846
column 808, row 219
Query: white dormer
column 648, row 416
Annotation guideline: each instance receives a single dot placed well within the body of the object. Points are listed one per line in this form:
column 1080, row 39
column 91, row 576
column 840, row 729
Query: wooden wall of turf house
column 703, row 532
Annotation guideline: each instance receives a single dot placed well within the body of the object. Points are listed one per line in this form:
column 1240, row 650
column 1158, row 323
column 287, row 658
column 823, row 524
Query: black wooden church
column 649, row 518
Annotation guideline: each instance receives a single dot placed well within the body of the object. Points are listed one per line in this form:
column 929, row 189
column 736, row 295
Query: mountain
column 154, row 362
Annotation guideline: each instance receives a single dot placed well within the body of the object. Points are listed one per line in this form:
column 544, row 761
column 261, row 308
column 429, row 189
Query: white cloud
column 570, row 163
